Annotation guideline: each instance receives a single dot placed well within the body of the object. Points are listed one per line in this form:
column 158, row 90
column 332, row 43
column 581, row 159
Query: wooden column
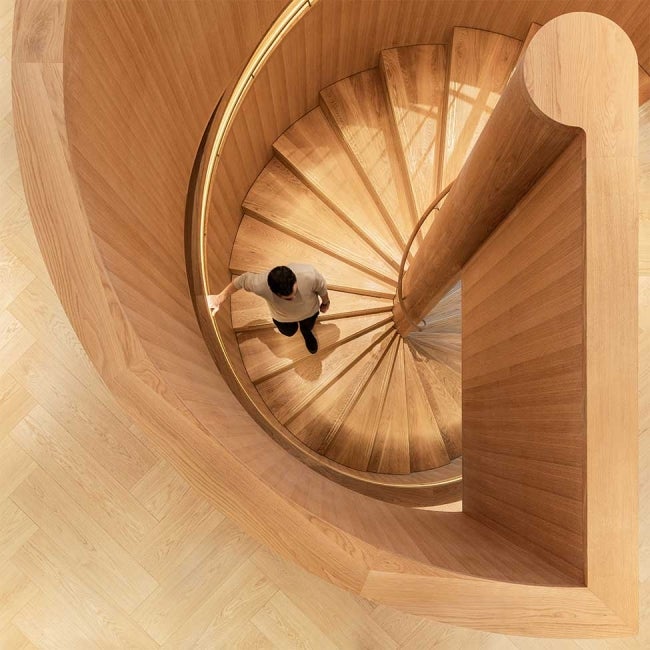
column 531, row 125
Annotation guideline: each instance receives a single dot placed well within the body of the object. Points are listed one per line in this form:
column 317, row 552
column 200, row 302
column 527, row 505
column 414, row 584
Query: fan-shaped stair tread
column 249, row 311
column 318, row 424
column 356, row 106
column 283, row 201
column 441, row 346
column 266, row 352
column 353, row 443
column 446, row 410
column 480, row 64
column 390, row 452
column 446, row 315
column 451, row 379
column 426, row 446
column 314, row 152
column 259, row 247
column 287, row 393
column 415, row 78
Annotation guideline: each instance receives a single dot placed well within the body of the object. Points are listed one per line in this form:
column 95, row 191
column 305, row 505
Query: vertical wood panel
column 520, row 401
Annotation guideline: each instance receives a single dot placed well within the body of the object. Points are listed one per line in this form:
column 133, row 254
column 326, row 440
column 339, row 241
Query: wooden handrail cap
column 578, row 61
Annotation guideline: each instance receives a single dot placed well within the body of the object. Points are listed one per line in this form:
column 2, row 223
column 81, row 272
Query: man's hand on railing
column 215, row 300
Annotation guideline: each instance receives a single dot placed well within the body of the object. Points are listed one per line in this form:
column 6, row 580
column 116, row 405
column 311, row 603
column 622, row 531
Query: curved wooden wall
column 107, row 203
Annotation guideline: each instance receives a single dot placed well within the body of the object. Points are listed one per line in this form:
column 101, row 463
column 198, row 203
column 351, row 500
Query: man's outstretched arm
column 215, row 300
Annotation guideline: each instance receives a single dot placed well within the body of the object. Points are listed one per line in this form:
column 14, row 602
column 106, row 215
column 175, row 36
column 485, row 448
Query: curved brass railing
column 434, row 205
column 291, row 15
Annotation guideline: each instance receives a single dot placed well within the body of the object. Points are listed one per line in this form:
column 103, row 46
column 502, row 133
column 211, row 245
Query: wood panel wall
column 108, row 206
column 558, row 372
column 141, row 81
column 524, row 427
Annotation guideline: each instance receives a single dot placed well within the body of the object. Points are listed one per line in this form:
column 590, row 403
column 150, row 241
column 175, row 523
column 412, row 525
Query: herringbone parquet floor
column 106, row 550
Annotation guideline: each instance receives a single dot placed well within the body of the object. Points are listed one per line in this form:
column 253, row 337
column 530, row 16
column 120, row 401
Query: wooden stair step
column 356, row 107
column 250, row 312
column 480, row 65
column 312, row 149
column 426, row 445
column 282, row 200
column 390, row 451
column 442, row 347
column 353, row 443
column 451, row 379
column 415, row 79
column 446, row 410
column 446, row 315
column 292, row 390
column 266, row 352
column 259, row 247
column 318, row 425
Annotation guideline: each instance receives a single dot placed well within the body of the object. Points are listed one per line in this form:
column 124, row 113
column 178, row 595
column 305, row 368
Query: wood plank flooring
column 104, row 545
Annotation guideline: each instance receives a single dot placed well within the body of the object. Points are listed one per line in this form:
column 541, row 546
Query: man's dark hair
column 281, row 280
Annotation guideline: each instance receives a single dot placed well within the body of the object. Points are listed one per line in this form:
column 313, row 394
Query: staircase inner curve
column 345, row 189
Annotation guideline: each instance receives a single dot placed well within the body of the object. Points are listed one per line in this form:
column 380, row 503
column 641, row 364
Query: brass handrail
column 231, row 102
column 434, row 205
column 289, row 17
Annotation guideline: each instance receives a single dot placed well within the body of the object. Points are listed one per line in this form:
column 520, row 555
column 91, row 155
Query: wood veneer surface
column 164, row 403
column 523, row 368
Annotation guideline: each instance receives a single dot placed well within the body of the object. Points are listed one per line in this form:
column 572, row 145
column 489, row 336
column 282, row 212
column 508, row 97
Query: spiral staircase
column 532, row 550
column 344, row 191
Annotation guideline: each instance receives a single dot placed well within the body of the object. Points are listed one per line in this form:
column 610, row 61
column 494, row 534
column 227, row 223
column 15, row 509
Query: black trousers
column 289, row 329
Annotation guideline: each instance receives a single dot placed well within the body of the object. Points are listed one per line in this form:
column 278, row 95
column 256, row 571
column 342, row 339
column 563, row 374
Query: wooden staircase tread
column 444, row 348
column 290, row 391
column 266, row 351
column 249, row 311
column 390, row 452
column 312, row 149
column 450, row 378
column 446, row 410
column 352, row 445
column 259, row 247
column 356, row 106
column 317, row 425
column 426, row 445
column 446, row 315
column 480, row 64
column 415, row 79
column 283, row 201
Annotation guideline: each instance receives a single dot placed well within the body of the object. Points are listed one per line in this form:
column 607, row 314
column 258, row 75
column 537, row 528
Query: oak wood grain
column 415, row 78
column 311, row 148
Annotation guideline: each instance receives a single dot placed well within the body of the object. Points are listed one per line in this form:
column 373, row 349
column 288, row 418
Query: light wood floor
column 96, row 551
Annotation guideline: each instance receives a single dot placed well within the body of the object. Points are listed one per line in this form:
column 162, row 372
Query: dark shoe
column 311, row 342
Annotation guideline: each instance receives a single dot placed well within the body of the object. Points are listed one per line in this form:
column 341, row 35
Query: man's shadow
column 306, row 365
